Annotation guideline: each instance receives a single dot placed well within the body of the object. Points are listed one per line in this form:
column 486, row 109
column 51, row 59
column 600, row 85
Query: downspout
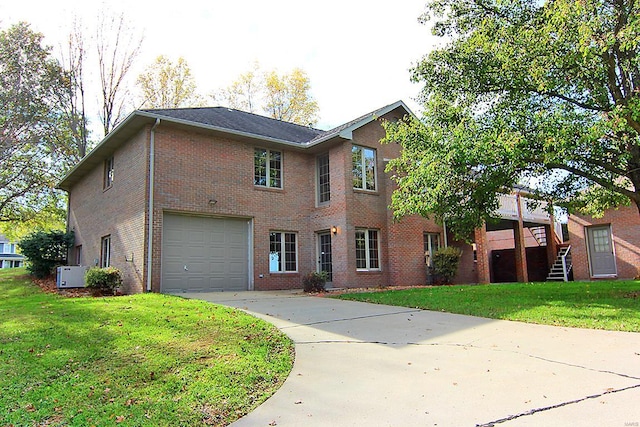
column 444, row 231
column 151, row 191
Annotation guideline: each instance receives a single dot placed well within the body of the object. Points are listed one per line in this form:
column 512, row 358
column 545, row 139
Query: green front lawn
column 136, row 360
column 612, row 305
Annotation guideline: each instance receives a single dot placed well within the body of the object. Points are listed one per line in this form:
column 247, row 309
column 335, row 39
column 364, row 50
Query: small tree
column 445, row 263
column 45, row 251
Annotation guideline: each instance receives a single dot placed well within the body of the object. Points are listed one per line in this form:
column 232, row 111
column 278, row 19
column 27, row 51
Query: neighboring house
column 607, row 247
column 210, row 199
column 8, row 256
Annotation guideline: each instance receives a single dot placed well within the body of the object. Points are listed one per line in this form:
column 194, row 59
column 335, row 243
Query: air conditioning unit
column 71, row 277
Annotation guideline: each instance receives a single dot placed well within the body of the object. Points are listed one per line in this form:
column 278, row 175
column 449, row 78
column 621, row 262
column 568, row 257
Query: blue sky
column 357, row 53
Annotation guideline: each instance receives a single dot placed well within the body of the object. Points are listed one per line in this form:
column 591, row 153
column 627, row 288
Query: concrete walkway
column 361, row 364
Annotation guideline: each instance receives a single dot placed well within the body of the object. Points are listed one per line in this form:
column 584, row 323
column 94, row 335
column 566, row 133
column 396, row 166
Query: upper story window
column 364, row 168
column 283, row 252
column 367, row 250
column 108, row 173
column 324, row 183
column 267, row 168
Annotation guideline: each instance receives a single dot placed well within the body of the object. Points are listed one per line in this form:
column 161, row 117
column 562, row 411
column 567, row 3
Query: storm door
column 324, row 255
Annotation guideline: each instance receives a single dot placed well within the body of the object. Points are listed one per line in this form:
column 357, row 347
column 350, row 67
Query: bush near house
column 45, row 251
column 315, row 281
column 445, row 263
column 105, row 280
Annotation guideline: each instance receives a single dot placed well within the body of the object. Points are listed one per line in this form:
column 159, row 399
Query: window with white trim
column 267, row 168
column 283, row 252
column 367, row 250
column 364, row 168
column 431, row 245
column 105, row 252
column 108, row 173
column 324, row 182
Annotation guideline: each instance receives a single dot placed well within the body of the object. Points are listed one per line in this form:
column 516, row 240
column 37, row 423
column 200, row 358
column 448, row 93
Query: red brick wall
column 118, row 211
column 625, row 227
column 192, row 168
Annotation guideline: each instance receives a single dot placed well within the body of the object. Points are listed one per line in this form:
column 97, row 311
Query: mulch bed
column 48, row 285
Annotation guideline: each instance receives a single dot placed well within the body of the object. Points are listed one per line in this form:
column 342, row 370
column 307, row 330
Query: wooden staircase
column 539, row 234
column 562, row 266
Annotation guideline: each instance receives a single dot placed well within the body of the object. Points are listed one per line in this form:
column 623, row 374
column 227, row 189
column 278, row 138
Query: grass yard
column 610, row 305
column 142, row 360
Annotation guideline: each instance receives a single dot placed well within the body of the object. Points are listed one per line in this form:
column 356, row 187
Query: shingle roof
column 240, row 121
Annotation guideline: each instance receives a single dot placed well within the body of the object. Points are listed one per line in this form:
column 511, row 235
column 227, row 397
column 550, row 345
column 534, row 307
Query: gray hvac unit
column 71, row 277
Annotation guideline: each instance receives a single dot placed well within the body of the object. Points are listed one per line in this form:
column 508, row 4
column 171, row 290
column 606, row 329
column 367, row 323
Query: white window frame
column 108, row 173
column 428, row 245
column 319, row 192
column 283, row 253
column 269, row 155
column 363, row 164
column 105, row 251
column 368, row 248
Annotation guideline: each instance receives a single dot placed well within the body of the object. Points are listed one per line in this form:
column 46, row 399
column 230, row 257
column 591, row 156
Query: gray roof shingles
column 240, row 121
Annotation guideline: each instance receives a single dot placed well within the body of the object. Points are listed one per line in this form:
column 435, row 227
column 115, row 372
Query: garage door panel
column 215, row 251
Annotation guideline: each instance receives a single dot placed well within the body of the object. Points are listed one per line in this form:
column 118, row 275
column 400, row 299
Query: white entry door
column 602, row 261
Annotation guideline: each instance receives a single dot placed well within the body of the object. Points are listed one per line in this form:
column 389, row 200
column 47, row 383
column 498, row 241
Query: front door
column 324, row 255
column 602, row 261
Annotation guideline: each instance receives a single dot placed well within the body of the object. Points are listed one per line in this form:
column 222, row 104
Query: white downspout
column 444, row 231
column 151, row 188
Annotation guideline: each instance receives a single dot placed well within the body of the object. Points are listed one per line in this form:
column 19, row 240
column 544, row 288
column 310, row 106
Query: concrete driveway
column 361, row 364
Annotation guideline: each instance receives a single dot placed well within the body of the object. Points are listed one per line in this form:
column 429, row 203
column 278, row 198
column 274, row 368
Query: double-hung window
column 324, row 183
column 267, row 168
column 105, row 252
column 283, row 252
column 367, row 250
column 108, row 173
column 431, row 245
column 364, row 168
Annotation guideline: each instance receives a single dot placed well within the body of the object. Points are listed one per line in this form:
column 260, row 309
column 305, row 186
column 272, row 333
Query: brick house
column 204, row 199
column 607, row 247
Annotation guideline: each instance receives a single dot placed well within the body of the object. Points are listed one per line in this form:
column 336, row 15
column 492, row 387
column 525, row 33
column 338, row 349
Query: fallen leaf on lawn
column 297, row 402
column 120, row 418
column 30, row 407
column 107, row 390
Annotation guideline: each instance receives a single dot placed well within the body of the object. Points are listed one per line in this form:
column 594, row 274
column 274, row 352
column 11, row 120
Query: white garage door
column 202, row 254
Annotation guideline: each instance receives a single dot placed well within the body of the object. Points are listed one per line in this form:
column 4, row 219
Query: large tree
column 542, row 93
column 33, row 146
column 165, row 84
column 118, row 46
column 281, row 96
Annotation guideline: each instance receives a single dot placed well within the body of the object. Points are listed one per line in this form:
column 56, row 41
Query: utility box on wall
column 71, row 277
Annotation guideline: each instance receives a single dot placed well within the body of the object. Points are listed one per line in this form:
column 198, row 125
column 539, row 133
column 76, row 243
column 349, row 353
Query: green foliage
column 282, row 96
column 445, row 262
column 140, row 360
column 104, row 279
column 611, row 305
column 45, row 251
column 523, row 92
column 33, row 143
column 165, row 84
column 315, row 281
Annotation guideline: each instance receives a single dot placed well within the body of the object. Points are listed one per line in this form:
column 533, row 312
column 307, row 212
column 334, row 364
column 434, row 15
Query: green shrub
column 104, row 279
column 445, row 263
column 45, row 251
column 315, row 281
